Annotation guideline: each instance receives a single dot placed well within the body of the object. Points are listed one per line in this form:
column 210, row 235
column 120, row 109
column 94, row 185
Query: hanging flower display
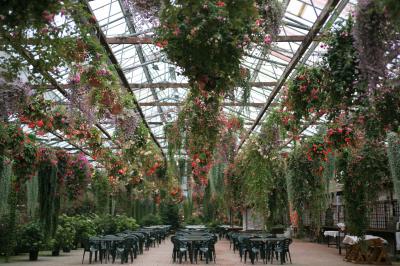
column 192, row 31
column 81, row 172
column 306, row 92
column 339, row 136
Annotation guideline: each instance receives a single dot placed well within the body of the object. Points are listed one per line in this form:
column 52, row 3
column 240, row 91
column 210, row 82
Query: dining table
column 104, row 244
column 192, row 240
column 266, row 240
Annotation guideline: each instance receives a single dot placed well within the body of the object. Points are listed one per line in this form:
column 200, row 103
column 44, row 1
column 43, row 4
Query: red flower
column 221, row 3
column 40, row 123
column 32, row 125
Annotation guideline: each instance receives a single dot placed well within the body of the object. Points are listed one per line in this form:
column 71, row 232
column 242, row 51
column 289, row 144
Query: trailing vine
column 363, row 172
column 393, row 153
column 48, row 191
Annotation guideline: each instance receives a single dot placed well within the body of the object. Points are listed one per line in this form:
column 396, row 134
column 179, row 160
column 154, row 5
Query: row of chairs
column 267, row 251
column 203, row 248
column 122, row 245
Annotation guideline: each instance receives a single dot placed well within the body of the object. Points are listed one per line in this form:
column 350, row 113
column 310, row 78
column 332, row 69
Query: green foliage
column 26, row 12
column 192, row 31
column 307, row 92
column 150, row 219
column 393, row 152
column 32, row 237
column 5, row 187
column 101, row 189
column 32, row 196
column 307, row 189
column 49, row 198
column 341, row 63
column 109, row 224
column 363, row 172
column 193, row 221
column 169, row 214
column 65, row 234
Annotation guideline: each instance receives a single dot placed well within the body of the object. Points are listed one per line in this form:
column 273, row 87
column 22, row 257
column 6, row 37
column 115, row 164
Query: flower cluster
column 339, row 137
column 306, row 92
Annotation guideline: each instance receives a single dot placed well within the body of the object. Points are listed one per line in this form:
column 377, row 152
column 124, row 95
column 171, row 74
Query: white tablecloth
column 331, row 233
column 351, row 240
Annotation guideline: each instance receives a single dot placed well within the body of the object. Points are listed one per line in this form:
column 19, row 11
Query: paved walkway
column 303, row 253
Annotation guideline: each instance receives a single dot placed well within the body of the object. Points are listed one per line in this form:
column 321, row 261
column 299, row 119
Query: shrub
column 150, row 219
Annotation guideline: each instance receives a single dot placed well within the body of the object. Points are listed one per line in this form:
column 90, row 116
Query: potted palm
column 32, row 239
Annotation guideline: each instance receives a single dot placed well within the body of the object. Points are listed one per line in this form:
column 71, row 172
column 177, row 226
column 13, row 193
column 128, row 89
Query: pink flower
column 103, row 72
column 258, row 22
column 221, row 4
column 76, row 79
column 176, row 31
column 267, row 39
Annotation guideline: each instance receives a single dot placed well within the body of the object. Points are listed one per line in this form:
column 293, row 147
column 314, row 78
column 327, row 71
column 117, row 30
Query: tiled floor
column 303, row 253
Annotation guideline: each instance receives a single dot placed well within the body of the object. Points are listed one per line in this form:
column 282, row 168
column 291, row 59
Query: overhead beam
column 309, row 38
column 175, row 85
column 114, row 61
column 171, row 104
column 139, row 51
column 168, row 85
column 150, row 40
column 38, row 67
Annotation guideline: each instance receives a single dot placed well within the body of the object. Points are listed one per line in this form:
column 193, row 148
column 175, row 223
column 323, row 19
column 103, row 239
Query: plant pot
column 66, row 250
column 116, row 109
column 55, row 252
column 33, row 255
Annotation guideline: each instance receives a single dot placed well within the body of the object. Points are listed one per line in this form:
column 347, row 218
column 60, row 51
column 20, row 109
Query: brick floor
column 303, row 253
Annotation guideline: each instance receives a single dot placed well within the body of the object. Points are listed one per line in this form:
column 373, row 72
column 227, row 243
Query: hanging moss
column 32, row 194
column 101, row 189
column 363, row 173
column 5, row 185
column 393, row 152
column 49, row 199
column 307, row 189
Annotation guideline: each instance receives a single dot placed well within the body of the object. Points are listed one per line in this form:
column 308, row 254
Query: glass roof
column 144, row 64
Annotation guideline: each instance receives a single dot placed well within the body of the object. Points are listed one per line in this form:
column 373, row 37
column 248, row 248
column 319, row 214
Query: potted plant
column 32, row 239
column 55, row 247
column 64, row 237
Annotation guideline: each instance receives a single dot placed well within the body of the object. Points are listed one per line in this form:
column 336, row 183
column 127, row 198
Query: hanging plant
column 13, row 97
column 363, row 173
column 147, row 9
column 340, row 136
column 307, row 92
column 25, row 163
column 307, row 189
column 341, row 63
column 48, row 190
column 376, row 41
column 393, row 152
column 76, row 183
column 192, row 31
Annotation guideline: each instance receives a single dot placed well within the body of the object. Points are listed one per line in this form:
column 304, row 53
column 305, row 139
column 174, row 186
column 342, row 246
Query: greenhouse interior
column 230, row 132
